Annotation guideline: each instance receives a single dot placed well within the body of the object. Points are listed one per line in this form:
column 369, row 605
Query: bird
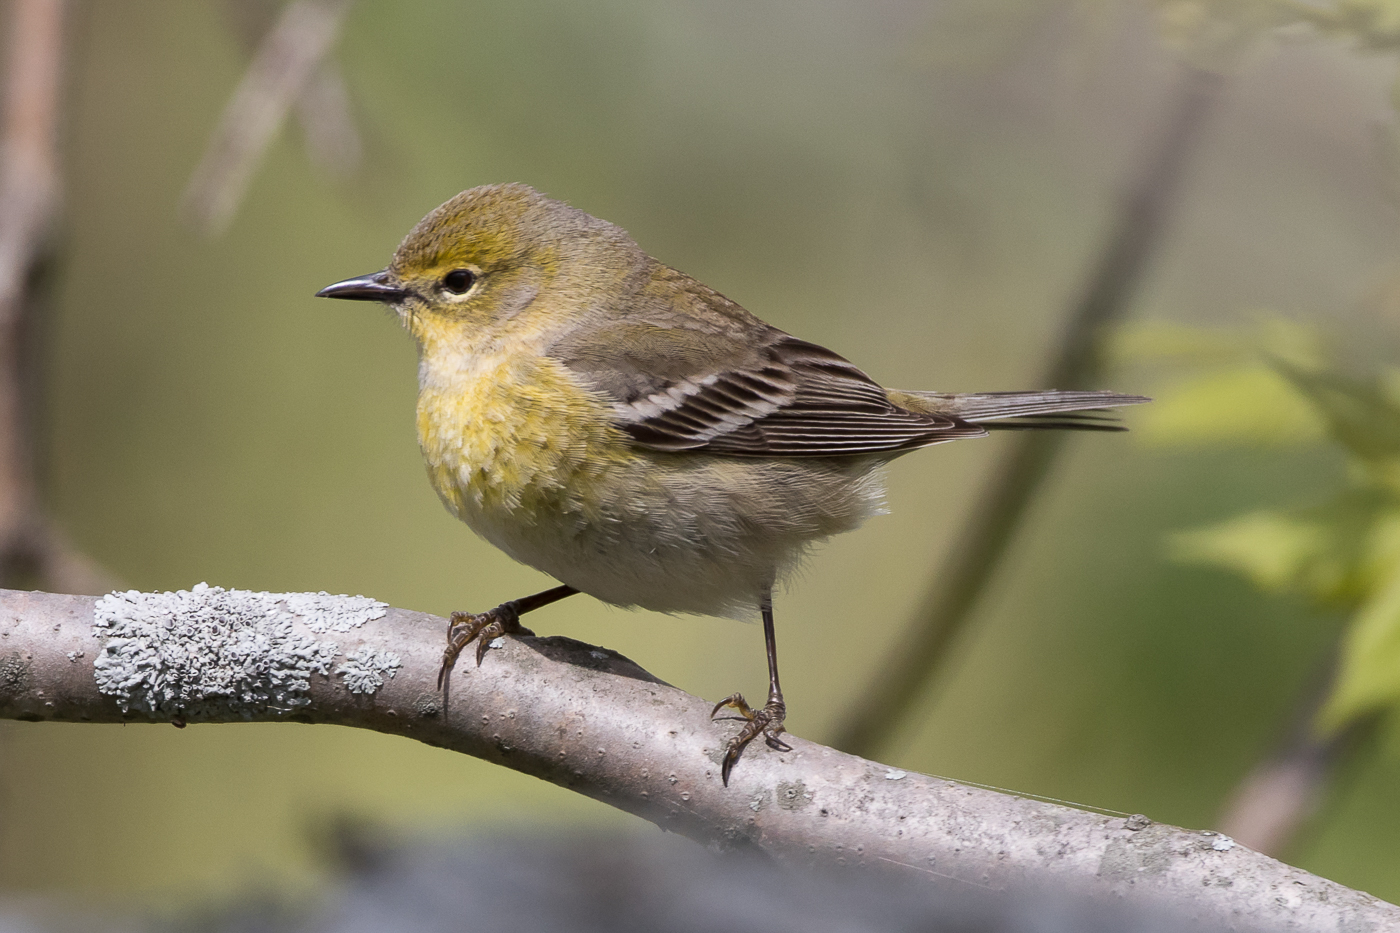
column 636, row 435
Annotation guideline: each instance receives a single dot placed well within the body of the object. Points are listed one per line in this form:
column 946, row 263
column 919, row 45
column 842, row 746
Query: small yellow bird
column 638, row 436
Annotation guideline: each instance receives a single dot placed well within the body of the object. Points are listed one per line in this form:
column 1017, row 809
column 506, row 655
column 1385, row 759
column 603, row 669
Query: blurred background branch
column 1282, row 384
column 289, row 70
column 959, row 582
column 323, row 108
column 1277, row 798
column 33, row 552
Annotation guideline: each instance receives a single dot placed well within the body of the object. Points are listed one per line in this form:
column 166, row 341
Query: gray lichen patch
column 325, row 613
column 212, row 653
column 364, row 669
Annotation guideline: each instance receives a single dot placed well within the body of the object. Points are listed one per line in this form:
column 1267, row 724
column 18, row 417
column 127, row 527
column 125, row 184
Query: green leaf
column 1250, row 403
column 1369, row 676
column 1272, row 549
column 1360, row 415
column 1337, row 554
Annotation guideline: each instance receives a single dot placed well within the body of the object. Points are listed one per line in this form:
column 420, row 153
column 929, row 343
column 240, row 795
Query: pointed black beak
column 378, row 286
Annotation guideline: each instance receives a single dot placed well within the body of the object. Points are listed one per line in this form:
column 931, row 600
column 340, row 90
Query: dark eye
column 459, row 281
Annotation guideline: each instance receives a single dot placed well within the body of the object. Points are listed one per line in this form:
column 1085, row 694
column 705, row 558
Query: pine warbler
column 638, row 436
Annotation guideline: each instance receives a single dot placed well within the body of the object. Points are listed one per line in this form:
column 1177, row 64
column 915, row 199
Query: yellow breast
column 511, row 437
column 528, row 458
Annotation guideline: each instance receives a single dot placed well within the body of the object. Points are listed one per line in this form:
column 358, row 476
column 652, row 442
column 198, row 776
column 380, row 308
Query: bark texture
column 590, row 720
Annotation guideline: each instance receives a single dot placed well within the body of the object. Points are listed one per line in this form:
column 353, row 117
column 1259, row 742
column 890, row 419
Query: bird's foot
column 465, row 627
column 767, row 721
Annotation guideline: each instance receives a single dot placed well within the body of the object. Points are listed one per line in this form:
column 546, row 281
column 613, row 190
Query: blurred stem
column 323, row 106
column 1133, row 239
column 32, row 551
column 28, row 208
column 286, row 62
column 1280, row 795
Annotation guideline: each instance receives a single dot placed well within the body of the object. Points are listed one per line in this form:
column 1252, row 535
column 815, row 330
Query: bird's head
column 488, row 256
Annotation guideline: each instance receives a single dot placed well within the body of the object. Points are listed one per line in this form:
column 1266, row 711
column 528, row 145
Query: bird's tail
column 1011, row 411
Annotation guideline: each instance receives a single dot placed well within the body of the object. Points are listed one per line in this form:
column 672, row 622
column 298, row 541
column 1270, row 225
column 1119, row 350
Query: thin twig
column 592, row 721
column 944, row 612
column 323, row 108
column 284, row 66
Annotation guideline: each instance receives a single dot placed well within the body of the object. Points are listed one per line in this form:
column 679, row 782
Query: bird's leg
column 464, row 627
column 767, row 720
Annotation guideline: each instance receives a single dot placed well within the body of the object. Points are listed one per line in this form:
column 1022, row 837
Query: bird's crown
column 498, row 226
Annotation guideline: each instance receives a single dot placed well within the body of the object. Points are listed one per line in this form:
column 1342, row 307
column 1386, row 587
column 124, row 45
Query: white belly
column 687, row 533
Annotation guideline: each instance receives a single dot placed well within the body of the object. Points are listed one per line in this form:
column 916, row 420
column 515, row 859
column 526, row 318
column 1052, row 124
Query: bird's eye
column 459, row 281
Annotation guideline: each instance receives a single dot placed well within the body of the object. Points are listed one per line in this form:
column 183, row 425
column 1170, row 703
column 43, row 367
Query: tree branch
column 592, row 721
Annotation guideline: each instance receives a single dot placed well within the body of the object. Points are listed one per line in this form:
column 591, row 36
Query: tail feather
column 1052, row 408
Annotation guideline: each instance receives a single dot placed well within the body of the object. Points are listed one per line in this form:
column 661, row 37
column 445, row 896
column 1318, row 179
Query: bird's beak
column 378, row 286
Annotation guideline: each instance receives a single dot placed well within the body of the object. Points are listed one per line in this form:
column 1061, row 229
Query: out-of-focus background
column 922, row 186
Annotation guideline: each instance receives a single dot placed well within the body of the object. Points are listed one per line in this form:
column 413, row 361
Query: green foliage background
column 1343, row 552
column 920, row 190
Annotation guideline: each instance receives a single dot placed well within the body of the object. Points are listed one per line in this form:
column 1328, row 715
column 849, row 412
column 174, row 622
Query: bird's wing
column 754, row 392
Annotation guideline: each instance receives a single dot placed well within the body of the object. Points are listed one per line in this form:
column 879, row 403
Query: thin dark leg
column 770, row 642
column 540, row 600
column 464, row 627
column 767, row 721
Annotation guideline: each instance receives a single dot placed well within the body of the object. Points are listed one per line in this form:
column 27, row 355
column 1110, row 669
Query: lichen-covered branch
column 592, row 721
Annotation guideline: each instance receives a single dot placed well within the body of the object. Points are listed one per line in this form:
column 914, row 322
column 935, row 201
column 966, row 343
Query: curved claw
column 483, row 644
column 449, row 654
column 767, row 722
column 737, row 701
column 465, row 627
column 731, row 755
column 455, row 644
